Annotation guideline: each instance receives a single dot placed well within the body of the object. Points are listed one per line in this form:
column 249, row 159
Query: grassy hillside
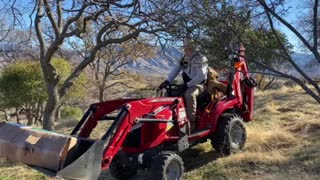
column 282, row 143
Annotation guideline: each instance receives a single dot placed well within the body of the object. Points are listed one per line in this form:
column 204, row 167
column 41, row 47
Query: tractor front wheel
column 167, row 166
column 121, row 168
column 230, row 135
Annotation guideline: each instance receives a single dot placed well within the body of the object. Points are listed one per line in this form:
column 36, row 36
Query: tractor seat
column 203, row 100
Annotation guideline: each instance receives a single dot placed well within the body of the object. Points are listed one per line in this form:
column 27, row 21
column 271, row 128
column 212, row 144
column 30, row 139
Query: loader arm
column 131, row 111
column 95, row 113
column 100, row 154
column 129, row 116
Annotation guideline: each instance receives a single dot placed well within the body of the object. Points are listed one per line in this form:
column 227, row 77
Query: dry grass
column 306, row 127
column 12, row 171
column 270, row 107
column 269, row 138
column 273, row 157
column 282, row 143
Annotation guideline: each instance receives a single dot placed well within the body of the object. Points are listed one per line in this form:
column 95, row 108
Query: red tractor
column 149, row 133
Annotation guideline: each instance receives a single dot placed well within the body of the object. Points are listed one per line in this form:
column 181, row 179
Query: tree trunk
column 38, row 114
column 101, row 94
column 269, row 85
column 17, row 114
column 261, row 82
column 6, row 116
column 39, row 117
column 29, row 117
column 58, row 114
column 51, row 107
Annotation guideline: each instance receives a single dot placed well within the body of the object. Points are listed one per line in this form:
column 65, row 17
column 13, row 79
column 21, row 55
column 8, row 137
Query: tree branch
column 289, row 26
column 295, row 79
column 84, row 23
column 315, row 25
column 289, row 57
column 59, row 13
column 74, row 18
column 39, row 16
column 51, row 19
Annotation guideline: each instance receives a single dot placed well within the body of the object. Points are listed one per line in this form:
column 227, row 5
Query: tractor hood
column 51, row 153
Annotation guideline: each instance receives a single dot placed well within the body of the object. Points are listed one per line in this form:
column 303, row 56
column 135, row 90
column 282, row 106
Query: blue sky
column 296, row 9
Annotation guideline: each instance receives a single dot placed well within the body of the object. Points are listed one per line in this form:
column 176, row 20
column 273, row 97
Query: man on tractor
column 194, row 73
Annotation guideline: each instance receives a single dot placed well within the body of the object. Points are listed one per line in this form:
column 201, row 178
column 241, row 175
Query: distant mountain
column 308, row 64
column 160, row 64
column 165, row 59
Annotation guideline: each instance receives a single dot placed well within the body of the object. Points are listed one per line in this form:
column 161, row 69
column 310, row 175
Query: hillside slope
column 282, row 142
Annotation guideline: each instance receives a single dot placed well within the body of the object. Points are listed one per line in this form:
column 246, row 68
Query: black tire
column 230, row 136
column 122, row 169
column 167, row 166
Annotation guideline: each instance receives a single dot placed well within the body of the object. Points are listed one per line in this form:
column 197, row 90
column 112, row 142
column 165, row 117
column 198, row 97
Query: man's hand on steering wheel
column 184, row 86
column 164, row 84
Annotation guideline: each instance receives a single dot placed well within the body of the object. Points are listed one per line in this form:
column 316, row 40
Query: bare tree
column 110, row 59
column 57, row 21
column 272, row 15
column 15, row 34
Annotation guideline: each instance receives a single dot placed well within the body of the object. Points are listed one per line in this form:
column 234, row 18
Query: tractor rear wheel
column 230, row 135
column 167, row 166
column 121, row 168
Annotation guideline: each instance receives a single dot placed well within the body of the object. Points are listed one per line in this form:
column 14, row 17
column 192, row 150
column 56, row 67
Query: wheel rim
column 173, row 170
column 236, row 136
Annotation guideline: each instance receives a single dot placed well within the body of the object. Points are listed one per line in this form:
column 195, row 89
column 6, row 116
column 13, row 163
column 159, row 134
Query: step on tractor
column 149, row 133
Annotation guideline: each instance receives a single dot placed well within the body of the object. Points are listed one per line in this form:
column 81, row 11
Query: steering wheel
column 172, row 90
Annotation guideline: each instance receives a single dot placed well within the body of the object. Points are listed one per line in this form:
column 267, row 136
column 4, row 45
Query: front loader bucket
column 87, row 166
column 51, row 153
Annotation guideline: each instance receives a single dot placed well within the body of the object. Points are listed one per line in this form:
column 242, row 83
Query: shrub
column 70, row 112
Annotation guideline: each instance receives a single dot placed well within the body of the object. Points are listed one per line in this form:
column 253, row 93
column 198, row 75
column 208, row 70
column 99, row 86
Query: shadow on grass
column 199, row 164
column 195, row 158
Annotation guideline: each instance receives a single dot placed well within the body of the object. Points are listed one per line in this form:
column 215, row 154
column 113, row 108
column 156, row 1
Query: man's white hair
column 188, row 42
